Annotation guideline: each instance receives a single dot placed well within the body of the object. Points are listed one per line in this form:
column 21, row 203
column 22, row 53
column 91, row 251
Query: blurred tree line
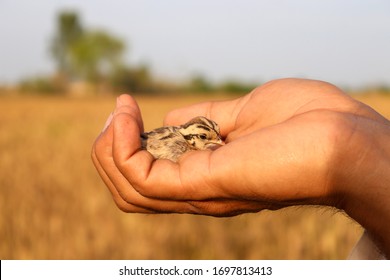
column 95, row 58
column 89, row 57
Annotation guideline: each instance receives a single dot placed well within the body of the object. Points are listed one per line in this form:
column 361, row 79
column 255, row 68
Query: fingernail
column 118, row 102
column 108, row 121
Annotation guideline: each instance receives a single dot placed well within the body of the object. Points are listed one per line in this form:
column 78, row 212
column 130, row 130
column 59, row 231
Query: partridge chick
column 170, row 142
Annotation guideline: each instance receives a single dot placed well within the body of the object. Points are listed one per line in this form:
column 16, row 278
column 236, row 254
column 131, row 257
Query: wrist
column 363, row 178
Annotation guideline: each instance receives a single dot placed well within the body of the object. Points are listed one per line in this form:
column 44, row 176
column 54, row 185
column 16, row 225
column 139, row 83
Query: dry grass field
column 53, row 205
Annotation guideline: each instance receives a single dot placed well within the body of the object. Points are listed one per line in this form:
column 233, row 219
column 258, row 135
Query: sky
column 345, row 42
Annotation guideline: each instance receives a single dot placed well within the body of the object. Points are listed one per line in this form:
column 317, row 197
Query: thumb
column 224, row 113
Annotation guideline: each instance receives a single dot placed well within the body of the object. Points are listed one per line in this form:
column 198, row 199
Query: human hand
column 279, row 147
column 288, row 142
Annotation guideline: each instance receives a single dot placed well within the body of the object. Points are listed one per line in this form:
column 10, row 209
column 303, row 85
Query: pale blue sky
column 346, row 42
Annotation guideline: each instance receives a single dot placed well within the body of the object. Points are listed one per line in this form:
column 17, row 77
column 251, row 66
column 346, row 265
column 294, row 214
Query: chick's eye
column 203, row 136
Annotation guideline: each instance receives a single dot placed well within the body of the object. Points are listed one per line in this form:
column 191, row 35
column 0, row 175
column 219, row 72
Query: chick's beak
column 215, row 144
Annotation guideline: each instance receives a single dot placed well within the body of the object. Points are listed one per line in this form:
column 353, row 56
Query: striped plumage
column 171, row 142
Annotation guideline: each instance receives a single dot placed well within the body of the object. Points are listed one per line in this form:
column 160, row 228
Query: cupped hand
column 285, row 142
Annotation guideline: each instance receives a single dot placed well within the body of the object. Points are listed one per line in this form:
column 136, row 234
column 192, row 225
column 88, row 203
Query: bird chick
column 170, row 142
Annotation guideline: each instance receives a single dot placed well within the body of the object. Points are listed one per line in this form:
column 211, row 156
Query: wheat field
column 53, row 205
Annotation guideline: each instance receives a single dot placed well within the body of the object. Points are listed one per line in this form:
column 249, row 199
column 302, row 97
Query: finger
column 119, row 201
column 224, row 113
column 103, row 160
column 126, row 100
column 192, row 178
column 101, row 156
column 127, row 125
column 124, row 195
column 130, row 201
column 162, row 179
column 136, row 164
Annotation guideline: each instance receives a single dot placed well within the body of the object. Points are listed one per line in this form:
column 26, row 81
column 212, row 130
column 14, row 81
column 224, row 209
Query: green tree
column 69, row 31
column 89, row 55
column 96, row 55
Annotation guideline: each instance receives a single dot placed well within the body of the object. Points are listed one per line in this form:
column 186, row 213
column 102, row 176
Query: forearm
column 367, row 181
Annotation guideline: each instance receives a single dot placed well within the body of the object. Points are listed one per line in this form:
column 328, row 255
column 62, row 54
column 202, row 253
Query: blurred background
column 62, row 63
